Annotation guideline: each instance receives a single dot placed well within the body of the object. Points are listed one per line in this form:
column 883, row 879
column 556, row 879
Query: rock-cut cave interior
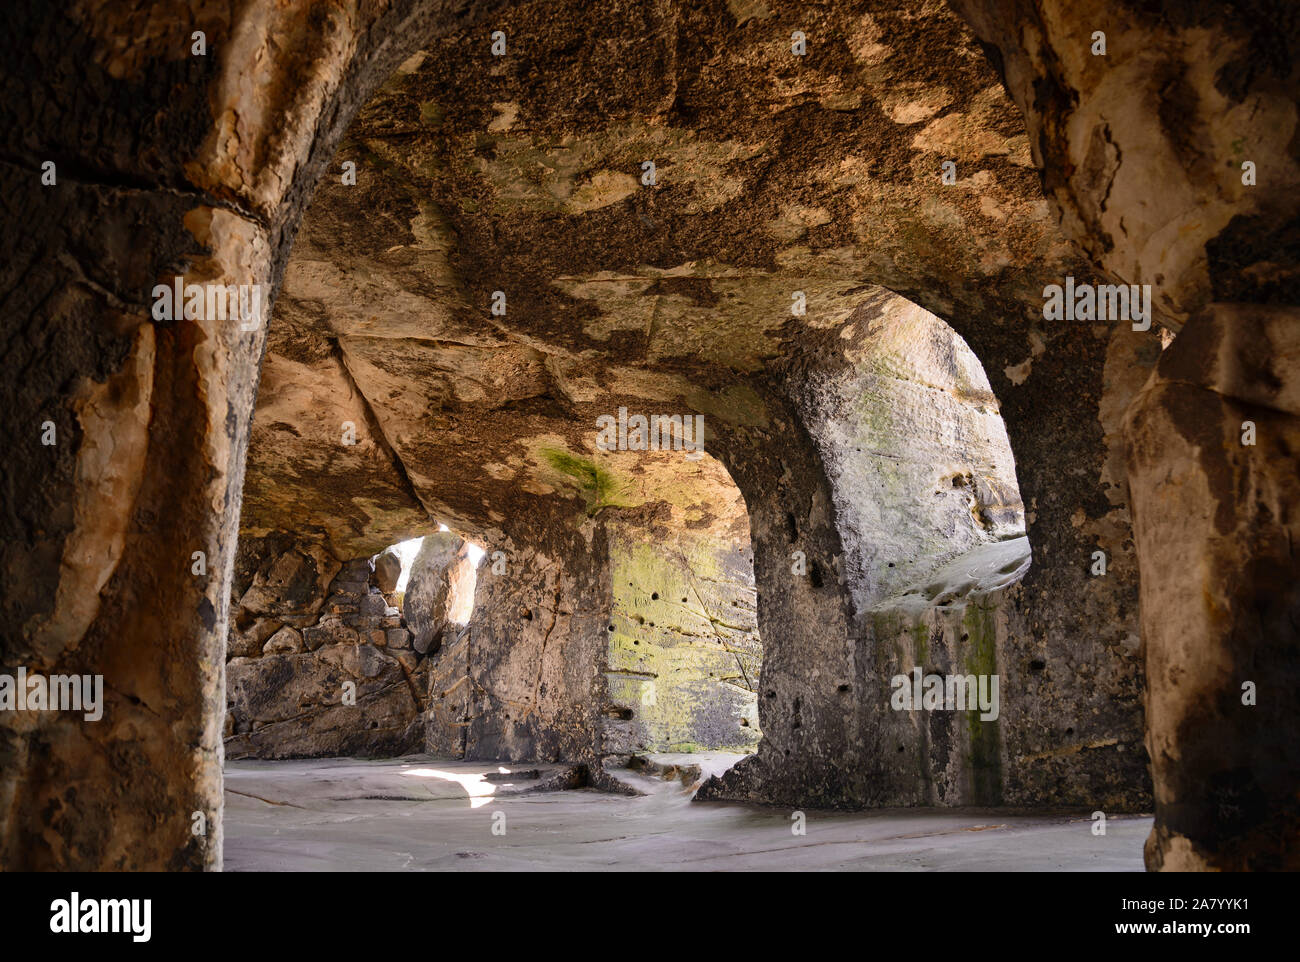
column 651, row 435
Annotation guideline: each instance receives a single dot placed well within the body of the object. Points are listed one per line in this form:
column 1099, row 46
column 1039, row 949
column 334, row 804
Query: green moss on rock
column 980, row 625
column 600, row 487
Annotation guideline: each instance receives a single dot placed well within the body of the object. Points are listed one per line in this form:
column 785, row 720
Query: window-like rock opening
column 403, row 556
column 935, row 535
column 908, row 536
column 913, row 441
column 935, row 434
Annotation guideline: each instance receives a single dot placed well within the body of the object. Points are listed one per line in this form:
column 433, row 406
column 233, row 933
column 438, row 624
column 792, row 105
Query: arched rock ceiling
column 775, row 173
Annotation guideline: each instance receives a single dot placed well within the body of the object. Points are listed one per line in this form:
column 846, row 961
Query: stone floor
column 422, row 814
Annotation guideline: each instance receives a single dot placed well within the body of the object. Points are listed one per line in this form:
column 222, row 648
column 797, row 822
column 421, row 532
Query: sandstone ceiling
column 774, row 174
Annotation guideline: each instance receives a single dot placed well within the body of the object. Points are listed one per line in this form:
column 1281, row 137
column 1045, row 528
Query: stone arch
column 222, row 171
column 836, row 639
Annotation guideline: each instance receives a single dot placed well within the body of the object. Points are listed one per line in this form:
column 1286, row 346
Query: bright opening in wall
column 460, row 603
column 407, row 550
column 914, row 443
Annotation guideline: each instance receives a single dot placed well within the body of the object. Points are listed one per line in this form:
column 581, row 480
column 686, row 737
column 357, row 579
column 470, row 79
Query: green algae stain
column 985, row 743
column 887, row 630
column 598, row 486
column 921, row 641
column 671, row 640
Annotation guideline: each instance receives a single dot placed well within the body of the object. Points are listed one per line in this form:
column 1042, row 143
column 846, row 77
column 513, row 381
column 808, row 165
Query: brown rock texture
column 166, row 165
column 336, row 676
column 1171, row 161
column 1212, row 463
column 677, row 298
column 829, row 266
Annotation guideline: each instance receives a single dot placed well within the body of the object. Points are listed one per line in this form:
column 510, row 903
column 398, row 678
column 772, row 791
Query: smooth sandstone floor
column 423, row 814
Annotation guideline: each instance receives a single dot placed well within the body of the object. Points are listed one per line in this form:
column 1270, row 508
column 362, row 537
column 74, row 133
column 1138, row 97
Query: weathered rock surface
column 338, row 686
column 684, row 652
column 392, row 393
column 1215, row 472
column 862, row 432
column 388, row 569
column 429, row 597
column 290, row 705
column 678, row 299
column 1171, row 161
